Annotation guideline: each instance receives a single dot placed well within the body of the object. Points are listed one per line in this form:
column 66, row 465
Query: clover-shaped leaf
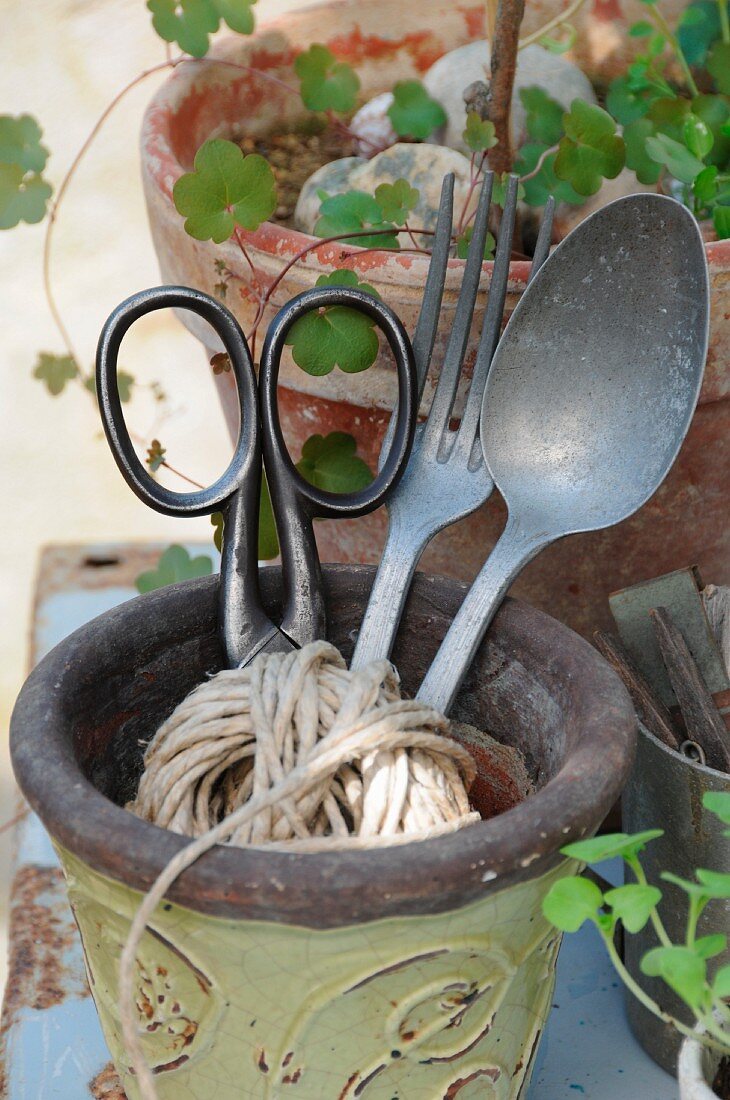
column 175, row 565
column 479, row 133
column 570, row 902
column 675, row 156
column 697, row 136
column 464, row 240
column 626, row 103
column 236, row 14
column 355, row 212
column 591, row 150
column 125, row 384
column 155, row 456
column 20, row 143
column 698, row 28
column 499, row 188
column 55, row 371
column 326, row 84
column 633, row 904
column 598, row 848
column 23, row 196
column 331, row 463
column 682, row 969
column 718, row 65
column 187, row 22
column 224, row 190
column 335, row 335
column 396, row 200
column 539, row 187
column 544, row 116
column 413, row 113
column 714, row 110
column 637, row 158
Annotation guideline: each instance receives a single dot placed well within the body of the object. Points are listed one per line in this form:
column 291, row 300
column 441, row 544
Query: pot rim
column 428, row 876
column 164, row 167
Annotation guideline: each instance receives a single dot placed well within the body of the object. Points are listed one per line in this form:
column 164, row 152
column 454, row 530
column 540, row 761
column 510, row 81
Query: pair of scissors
column 245, row 626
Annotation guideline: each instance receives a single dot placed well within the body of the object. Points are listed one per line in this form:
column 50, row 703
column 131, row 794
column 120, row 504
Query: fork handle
column 517, row 545
column 403, row 548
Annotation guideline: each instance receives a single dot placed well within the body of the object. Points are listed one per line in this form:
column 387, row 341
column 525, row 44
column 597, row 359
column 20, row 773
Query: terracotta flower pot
column 419, row 970
column 686, row 522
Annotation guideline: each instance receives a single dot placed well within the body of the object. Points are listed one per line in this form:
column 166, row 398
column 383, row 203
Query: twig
column 551, row 24
column 503, row 66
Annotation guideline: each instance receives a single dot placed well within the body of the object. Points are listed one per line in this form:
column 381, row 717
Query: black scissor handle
column 199, row 502
column 295, row 501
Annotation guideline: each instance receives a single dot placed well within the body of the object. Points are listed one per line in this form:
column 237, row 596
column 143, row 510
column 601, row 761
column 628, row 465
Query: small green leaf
column 217, row 522
column 721, row 983
column 570, row 902
column 707, row 947
column 220, row 363
column 698, row 28
column 23, row 196
column 499, row 188
column 20, row 143
column 697, row 136
column 187, row 22
column 716, row 883
column 326, row 84
column 714, row 110
column 354, row 212
column 705, row 185
column 633, row 904
column 625, row 103
column 335, row 335
column 683, row 971
column 331, row 463
column 657, row 44
column 721, row 222
column 676, row 157
column 268, row 540
column 224, row 190
column 637, row 158
column 236, row 14
column 413, row 113
column 396, row 200
column 544, row 120
column 479, row 134
column 718, row 803
column 641, row 29
column 668, row 115
column 155, row 456
column 55, row 371
column 692, row 889
column 599, row 848
column 591, row 150
column 537, row 189
column 175, row 565
column 718, row 65
column 464, row 240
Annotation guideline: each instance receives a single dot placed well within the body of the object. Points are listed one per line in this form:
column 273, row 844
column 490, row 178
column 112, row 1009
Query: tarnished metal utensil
column 591, row 392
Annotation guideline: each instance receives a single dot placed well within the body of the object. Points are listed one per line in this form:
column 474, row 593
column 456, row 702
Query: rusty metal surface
column 52, row 1048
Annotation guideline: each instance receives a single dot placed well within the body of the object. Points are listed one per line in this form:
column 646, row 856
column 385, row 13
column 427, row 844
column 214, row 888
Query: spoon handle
column 516, row 547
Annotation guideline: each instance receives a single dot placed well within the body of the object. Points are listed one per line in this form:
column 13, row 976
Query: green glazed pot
column 419, row 972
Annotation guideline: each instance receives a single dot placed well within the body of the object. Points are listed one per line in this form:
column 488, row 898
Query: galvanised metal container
column 665, row 792
column 417, row 972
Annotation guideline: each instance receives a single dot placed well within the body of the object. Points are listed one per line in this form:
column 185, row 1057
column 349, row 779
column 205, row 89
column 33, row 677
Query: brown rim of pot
column 332, row 889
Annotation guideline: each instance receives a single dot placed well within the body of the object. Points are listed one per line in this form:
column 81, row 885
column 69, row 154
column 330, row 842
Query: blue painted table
column 52, row 1046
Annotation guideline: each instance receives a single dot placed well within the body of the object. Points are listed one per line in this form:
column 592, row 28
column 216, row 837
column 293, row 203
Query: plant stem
column 723, row 1047
column 671, row 37
column 543, row 157
column 724, row 23
column 656, row 920
column 551, row 24
column 503, row 66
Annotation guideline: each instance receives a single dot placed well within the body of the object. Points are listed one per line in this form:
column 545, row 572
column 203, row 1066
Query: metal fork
column 446, row 478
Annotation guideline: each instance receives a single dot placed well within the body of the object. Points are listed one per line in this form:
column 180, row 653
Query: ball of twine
column 372, row 768
column 293, row 752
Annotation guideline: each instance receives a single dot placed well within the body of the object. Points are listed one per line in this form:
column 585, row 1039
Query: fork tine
column 542, row 247
column 443, row 399
column 428, row 318
column 492, row 323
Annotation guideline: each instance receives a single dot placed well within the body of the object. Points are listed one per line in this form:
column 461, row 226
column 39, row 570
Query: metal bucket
column 420, row 970
column 665, row 792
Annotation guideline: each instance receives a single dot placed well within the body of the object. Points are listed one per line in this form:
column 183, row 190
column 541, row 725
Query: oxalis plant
column 683, row 967
column 667, row 118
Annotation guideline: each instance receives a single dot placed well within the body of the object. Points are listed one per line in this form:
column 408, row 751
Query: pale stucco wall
column 63, row 61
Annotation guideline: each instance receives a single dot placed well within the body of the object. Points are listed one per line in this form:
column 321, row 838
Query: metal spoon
column 590, row 395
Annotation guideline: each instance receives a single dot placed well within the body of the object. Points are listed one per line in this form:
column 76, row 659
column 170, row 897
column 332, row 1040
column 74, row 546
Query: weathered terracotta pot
column 420, row 970
column 685, row 523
